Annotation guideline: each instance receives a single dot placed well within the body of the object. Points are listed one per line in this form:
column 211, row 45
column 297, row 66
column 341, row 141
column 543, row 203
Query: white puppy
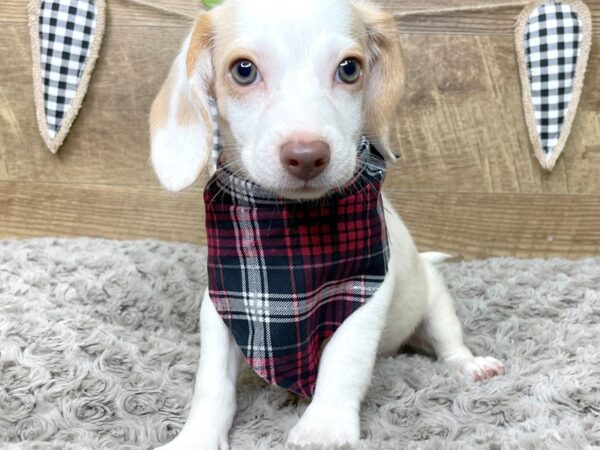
column 296, row 85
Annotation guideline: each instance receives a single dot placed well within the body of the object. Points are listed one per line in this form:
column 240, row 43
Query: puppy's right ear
column 180, row 124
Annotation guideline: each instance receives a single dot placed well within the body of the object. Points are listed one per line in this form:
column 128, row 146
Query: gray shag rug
column 99, row 346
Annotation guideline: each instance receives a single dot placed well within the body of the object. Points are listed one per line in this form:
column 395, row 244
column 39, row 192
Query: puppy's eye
column 244, row 72
column 349, row 71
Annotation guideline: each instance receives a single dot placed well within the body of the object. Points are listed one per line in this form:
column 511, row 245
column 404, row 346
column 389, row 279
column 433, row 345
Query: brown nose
column 305, row 160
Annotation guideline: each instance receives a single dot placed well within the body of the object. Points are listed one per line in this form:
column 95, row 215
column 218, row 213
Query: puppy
column 311, row 76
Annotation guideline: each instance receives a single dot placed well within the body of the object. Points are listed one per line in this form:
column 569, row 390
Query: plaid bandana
column 283, row 274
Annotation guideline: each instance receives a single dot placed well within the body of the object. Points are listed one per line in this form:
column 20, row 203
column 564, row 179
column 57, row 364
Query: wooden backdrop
column 467, row 182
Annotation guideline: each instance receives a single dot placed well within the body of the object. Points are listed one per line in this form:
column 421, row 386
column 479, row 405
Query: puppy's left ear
column 385, row 75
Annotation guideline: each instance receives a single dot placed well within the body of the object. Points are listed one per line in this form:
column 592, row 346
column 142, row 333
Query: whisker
column 214, row 179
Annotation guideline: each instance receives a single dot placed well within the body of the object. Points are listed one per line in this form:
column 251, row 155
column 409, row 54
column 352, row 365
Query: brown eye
column 244, row 72
column 349, row 71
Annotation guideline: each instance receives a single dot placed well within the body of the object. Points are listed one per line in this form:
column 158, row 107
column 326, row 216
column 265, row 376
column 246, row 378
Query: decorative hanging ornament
column 553, row 40
column 66, row 36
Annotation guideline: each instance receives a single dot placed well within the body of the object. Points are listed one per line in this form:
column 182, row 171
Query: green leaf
column 211, row 3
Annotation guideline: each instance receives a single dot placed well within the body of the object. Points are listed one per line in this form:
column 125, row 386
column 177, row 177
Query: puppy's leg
column 332, row 418
column 442, row 331
column 214, row 402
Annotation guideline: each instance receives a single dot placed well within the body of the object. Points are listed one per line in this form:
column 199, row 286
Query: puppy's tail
column 436, row 257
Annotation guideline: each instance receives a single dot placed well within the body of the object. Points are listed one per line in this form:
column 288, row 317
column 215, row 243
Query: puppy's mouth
column 298, row 190
column 320, row 187
column 293, row 188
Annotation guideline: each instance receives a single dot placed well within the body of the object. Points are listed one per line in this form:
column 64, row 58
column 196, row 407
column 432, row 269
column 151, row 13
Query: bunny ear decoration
column 65, row 41
column 553, row 40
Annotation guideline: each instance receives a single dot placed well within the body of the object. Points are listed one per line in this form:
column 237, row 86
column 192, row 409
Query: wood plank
column 476, row 17
column 459, row 127
column 108, row 142
column 116, row 212
column 466, row 183
column 491, row 22
column 479, row 17
column 467, row 225
column 155, row 13
column 477, row 226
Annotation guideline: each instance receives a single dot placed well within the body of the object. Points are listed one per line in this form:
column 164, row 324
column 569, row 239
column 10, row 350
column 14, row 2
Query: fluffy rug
column 99, row 346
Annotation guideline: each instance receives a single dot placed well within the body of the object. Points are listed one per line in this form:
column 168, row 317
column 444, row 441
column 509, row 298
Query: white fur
column 214, row 402
column 177, row 152
column 435, row 257
column 300, row 96
column 177, row 169
column 299, row 47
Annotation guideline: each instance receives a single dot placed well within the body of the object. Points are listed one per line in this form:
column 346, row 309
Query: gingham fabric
column 66, row 31
column 284, row 275
column 552, row 41
column 216, row 148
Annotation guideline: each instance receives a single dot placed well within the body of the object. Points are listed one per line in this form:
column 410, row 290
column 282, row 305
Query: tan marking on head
column 357, row 28
column 222, row 24
column 187, row 114
column 201, row 40
column 159, row 113
column 386, row 68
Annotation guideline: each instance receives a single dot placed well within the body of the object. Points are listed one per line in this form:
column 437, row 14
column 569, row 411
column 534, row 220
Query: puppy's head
column 296, row 84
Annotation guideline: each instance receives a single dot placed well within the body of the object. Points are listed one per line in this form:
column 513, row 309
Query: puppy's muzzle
column 305, row 160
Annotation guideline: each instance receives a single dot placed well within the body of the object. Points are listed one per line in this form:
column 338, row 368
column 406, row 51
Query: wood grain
column 477, row 226
column 118, row 212
column 478, row 17
column 108, row 142
column 459, row 125
column 154, row 13
column 481, row 22
column 465, row 225
column 467, row 182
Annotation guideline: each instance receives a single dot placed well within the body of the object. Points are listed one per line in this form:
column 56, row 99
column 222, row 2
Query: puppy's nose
column 305, row 160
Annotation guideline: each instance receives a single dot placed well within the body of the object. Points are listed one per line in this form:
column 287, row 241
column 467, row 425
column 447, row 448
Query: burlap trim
column 53, row 143
column 548, row 161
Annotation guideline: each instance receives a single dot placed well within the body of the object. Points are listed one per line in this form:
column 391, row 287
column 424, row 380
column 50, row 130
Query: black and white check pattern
column 66, row 34
column 216, row 150
column 552, row 41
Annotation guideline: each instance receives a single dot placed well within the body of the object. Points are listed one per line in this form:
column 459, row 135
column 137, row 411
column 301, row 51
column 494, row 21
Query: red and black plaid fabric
column 284, row 275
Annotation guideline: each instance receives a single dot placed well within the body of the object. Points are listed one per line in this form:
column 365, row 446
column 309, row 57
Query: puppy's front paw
column 482, row 368
column 325, row 429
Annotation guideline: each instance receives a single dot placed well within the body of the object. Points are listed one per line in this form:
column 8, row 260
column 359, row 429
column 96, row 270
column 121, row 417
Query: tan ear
column 180, row 125
column 385, row 77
